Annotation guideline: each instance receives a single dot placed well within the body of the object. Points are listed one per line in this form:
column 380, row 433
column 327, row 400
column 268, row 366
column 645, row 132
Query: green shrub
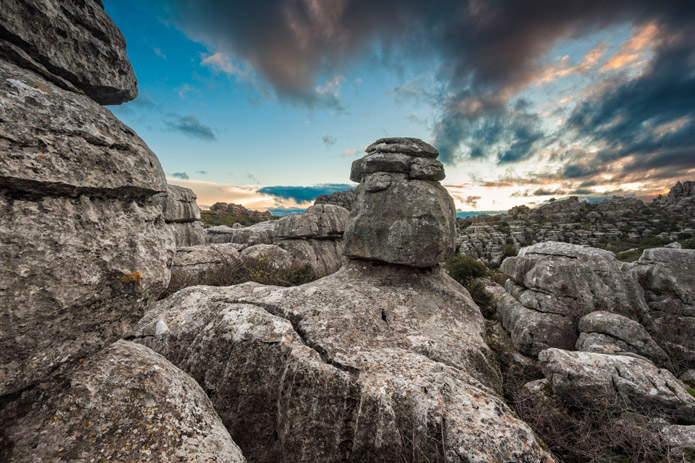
column 482, row 298
column 509, row 250
column 689, row 244
column 465, row 269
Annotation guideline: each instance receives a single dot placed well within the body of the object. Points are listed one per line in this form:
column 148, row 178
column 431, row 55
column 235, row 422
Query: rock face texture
column 313, row 238
column 376, row 362
column 482, row 241
column 72, row 43
column 402, row 215
column 551, row 285
column 583, row 377
column 125, row 403
column 340, row 198
column 84, row 250
column 182, row 214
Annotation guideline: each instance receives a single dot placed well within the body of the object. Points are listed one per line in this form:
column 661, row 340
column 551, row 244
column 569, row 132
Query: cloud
column 303, row 194
column 189, row 126
column 201, row 172
column 328, row 140
column 471, row 201
column 180, row 175
column 158, row 52
column 488, row 52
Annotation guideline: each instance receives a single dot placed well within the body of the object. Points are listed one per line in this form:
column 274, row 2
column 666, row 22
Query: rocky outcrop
column 343, row 199
column 402, row 215
column 551, row 285
column 71, row 43
column 376, row 362
column 182, row 214
column 125, row 403
column 609, row 333
column 592, row 379
column 482, row 241
column 668, row 278
column 204, row 264
column 84, row 251
column 313, row 238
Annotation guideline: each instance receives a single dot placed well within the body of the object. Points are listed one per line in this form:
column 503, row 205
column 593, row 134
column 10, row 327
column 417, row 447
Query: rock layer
column 182, row 214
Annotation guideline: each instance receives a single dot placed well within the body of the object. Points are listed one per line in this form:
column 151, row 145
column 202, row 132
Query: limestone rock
column 324, row 256
column 188, row 233
column 344, row 367
column 588, row 379
column 72, row 43
column 125, row 403
column 610, row 333
column 318, row 222
column 482, row 241
column 339, row 198
column 271, row 253
column 410, row 146
column 680, row 437
column 179, row 205
column 259, row 233
column 63, row 143
column 202, row 264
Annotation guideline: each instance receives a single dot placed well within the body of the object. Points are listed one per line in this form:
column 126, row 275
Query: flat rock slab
column 372, row 363
column 125, row 403
column 72, row 42
column 63, row 143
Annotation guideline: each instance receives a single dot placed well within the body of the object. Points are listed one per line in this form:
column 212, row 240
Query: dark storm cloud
column 490, row 51
column 180, row 175
column 303, row 193
column 189, row 126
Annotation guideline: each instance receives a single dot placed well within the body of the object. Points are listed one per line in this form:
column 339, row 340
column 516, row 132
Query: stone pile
column 384, row 360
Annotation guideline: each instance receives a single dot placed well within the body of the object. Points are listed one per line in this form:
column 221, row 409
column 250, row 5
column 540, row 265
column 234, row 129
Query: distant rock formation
column 84, row 250
column 376, row 362
column 228, row 214
column 339, row 198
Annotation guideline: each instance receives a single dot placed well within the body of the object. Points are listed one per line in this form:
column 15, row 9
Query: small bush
column 465, row 269
column 689, row 244
column 509, row 250
column 483, row 299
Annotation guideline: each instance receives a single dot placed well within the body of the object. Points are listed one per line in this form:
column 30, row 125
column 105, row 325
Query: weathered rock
column 339, row 198
column 179, row 205
column 590, row 379
column 324, row 221
column 397, row 219
column 188, row 233
column 203, row 264
column 668, row 278
column 609, row 333
column 260, row 233
column 72, row 43
column 62, row 143
column 324, row 256
column 482, row 241
column 681, row 438
column 410, row 146
column 271, row 253
column 125, row 403
column 562, row 282
column 343, row 368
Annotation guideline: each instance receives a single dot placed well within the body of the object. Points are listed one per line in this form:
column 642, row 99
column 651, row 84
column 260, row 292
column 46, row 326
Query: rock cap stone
column 403, row 145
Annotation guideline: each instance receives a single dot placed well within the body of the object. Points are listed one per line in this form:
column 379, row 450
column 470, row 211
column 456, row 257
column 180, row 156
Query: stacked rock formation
column 182, row 214
column 85, row 248
column 340, row 198
column 384, row 360
column 402, row 215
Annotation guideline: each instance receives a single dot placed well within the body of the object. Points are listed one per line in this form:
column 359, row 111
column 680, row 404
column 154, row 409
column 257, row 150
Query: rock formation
column 125, row 403
column 343, row 199
column 401, row 215
column 376, row 362
column 84, row 250
column 182, row 214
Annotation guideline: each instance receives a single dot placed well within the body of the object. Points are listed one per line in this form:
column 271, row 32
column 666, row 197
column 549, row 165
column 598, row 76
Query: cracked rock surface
column 373, row 363
column 124, row 403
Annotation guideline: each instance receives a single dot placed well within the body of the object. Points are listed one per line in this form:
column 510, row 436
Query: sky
column 267, row 104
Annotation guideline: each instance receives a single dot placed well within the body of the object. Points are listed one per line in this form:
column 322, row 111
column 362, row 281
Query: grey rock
column 324, row 256
column 482, row 241
column 62, row 143
column 410, row 222
column 203, row 264
column 80, row 269
column 688, row 377
column 125, row 403
column 409, row 146
column 626, row 336
column 271, row 253
column 188, row 233
column 72, row 43
column 339, row 198
column 179, row 205
column 367, row 355
column 679, row 437
column 396, row 163
column 427, row 169
column 589, row 379
column 318, row 222
column 259, row 233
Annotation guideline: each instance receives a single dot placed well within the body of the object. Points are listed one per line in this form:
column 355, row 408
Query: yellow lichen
column 136, row 276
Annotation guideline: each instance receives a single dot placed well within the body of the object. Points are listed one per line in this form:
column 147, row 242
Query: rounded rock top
column 403, row 145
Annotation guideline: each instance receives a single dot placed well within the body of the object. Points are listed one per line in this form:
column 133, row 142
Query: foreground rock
column 74, row 44
column 591, row 380
column 402, row 215
column 125, row 403
column 334, row 370
column 551, row 285
column 83, row 250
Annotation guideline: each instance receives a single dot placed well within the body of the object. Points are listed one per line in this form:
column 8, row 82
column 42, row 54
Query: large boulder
column 373, row 363
column 125, row 403
column 72, row 43
column 402, row 215
column 323, row 221
column 84, row 249
column 554, row 284
column 203, row 264
column 182, row 214
column 589, row 379
column 259, row 233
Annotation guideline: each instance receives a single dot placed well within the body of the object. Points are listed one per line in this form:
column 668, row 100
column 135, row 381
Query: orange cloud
column 564, row 68
column 633, row 48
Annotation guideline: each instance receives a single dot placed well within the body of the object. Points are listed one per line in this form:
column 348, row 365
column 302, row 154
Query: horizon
column 267, row 106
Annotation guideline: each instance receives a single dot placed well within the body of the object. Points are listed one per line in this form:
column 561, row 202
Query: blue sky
column 238, row 101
